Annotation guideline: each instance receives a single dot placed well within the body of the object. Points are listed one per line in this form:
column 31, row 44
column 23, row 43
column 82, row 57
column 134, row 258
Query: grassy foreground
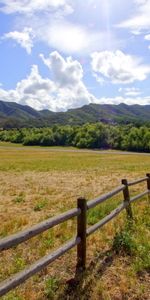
column 36, row 184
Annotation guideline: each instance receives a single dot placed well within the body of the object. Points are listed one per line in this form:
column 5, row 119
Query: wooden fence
column 82, row 231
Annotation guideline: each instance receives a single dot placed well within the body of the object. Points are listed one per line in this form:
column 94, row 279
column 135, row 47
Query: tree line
column 91, row 136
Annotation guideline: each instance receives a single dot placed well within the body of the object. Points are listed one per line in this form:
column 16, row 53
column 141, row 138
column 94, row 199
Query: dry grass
column 36, row 184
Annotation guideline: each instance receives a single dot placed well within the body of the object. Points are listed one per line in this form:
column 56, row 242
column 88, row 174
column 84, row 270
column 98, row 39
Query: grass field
column 36, row 184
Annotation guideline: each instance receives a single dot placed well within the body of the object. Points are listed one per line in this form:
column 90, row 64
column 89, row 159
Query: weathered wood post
column 127, row 199
column 148, row 185
column 81, row 232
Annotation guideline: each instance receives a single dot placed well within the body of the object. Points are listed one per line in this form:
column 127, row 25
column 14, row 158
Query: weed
column 20, row 198
column 19, row 264
column 123, row 242
column 142, row 259
column 40, row 205
column 49, row 240
column 51, row 286
column 96, row 214
column 12, row 296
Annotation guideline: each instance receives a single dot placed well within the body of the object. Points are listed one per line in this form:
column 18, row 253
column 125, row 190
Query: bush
column 123, row 243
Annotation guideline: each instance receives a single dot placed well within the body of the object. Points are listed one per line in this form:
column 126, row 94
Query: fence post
column 148, row 185
column 81, row 232
column 127, row 199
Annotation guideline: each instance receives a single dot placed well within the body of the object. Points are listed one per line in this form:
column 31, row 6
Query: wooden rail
column 18, row 238
column 106, row 219
column 82, row 231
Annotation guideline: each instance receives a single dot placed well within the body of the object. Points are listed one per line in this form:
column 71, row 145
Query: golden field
column 37, row 183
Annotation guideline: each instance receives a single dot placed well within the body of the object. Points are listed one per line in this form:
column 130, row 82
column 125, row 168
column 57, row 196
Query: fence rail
column 18, row 238
column 136, row 181
column 106, row 219
column 101, row 199
column 82, row 231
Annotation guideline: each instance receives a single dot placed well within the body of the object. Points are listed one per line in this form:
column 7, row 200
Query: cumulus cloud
column 34, row 91
column 65, row 91
column 23, row 38
column 68, row 78
column 32, row 6
column 119, row 67
column 67, row 72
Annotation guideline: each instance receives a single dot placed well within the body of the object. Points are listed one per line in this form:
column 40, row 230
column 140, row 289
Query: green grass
column 20, row 198
column 100, row 211
column 17, row 145
column 9, row 145
column 51, row 286
column 40, row 205
column 44, row 161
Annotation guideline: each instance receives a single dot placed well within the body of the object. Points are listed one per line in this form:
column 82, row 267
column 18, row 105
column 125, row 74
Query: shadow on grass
column 80, row 286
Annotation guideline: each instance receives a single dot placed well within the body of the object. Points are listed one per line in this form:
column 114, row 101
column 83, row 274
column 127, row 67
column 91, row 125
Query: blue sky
column 62, row 54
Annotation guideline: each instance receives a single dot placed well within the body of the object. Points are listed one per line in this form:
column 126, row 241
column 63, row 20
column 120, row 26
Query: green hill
column 16, row 115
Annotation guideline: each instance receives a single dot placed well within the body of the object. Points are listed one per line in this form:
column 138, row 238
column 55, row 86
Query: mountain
column 14, row 115
column 18, row 115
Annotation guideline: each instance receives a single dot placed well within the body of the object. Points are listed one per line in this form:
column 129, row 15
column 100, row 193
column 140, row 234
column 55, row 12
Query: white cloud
column 68, row 76
column 32, row 6
column 119, row 67
column 99, row 79
column 126, row 100
column 24, row 38
column 67, row 72
column 140, row 21
column 49, row 22
column 130, row 91
column 64, row 89
column 147, row 37
column 67, row 90
column 40, row 15
column 34, row 91
column 71, row 38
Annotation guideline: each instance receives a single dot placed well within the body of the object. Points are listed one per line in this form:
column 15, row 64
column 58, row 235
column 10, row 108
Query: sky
column 63, row 54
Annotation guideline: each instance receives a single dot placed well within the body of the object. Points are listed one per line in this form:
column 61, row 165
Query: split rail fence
column 82, row 231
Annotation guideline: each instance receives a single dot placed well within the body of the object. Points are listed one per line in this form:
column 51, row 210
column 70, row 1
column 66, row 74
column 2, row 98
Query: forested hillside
column 13, row 115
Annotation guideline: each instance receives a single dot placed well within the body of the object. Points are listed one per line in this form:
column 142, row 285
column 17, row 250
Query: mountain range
column 14, row 115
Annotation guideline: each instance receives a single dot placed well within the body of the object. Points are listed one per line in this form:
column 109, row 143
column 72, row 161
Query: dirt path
column 49, row 149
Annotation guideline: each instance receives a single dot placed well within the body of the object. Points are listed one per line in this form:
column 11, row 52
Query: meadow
column 36, row 184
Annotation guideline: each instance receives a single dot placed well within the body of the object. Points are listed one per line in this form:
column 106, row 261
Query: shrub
column 123, row 242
